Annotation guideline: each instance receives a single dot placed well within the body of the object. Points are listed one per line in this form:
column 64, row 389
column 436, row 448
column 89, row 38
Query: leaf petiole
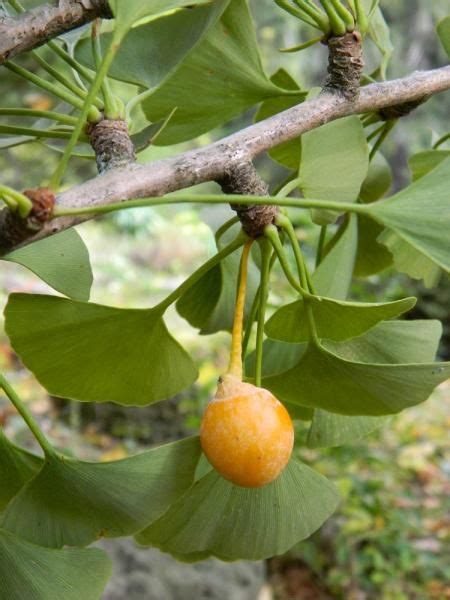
column 22, row 204
column 43, row 442
column 266, row 255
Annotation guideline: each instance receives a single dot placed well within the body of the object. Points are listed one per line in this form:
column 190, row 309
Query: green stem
column 286, row 224
column 271, row 234
column 225, row 227
column 72, row 87
column 441, row 141
column 71, row 61
column 24, row 204
column 311, row 322
column 9, row 201
column 296, row 12
column 38, row 114
column 361, row 17
column 289, row 187
column 250, row 320
column 321, row 245
column 212, row 199
column 57, row 176
column 37, row 133
column 50, row 87
column 266, row 255
column 337, row 25
column 110, row 104
column 303, row 46
column 344, row 14
column 388, row 126
column 239, row 241
column 27, row 417
column 315, row 13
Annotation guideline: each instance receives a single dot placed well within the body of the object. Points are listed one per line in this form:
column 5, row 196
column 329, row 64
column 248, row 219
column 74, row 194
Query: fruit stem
column 27, row 417
column 266, row 255
column 235, row 366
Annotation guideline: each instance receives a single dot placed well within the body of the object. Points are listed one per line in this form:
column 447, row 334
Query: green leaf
column 333, row 276
column 28, row 571
column 378, row 181
column 128, row 12
column 334, row 164
column 335, row 320
column 407, row 259
column 420, row 214
column 424, row 162
column 443, row 29
column 96, row 353
column 73, row 503
column 60, row 260
column 390, row 342
column 217, row 518
column 287, row 154
column 380, row 33
column 372, row 256
column 322, row 379
column 220, row 78
column 17, row 466
column 171, row 36
column 209, row 304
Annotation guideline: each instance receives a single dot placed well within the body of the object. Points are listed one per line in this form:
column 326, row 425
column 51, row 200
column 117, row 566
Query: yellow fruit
column 246, row 433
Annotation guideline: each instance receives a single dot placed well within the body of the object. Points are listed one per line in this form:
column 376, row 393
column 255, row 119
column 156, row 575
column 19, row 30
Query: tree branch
column 212, row 162
column 36, row 26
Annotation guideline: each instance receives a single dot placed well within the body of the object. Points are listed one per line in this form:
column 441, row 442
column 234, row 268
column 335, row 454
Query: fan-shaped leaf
column 73, row 503
column 220, row 78
column 17, row 466
column 217, row 518
column 334, row 164
column 322, row 379
column 443, row 30
column 28, row 571
column 128, row 12
column 335, row 319
column 424, row 162
column 390, row 342
column 420, row 214
column 97, row 353
column 152, row 51
column 60, row 260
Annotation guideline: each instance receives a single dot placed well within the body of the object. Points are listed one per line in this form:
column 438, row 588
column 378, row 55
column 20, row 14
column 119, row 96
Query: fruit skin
column 246, row 433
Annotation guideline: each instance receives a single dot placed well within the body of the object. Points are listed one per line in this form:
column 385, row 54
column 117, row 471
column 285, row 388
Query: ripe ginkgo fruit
column 246, row 433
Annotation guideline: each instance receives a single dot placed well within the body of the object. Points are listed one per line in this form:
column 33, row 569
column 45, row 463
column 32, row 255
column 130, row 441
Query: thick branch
column 212, row 162
column 35, row 27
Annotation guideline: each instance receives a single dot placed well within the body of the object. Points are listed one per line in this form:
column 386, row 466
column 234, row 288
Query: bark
column 244, row 179
column 36, row 26
column 112, row 144
column 212, row 162
column 345, row 65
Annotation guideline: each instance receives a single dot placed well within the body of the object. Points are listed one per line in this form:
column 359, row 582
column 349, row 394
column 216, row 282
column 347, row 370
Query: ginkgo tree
column 339, row 366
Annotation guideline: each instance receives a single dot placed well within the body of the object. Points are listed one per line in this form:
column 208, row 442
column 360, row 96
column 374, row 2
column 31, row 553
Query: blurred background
column 390, row 539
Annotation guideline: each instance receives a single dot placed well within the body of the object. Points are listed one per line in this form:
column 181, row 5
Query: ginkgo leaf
column 334, row 164
column 219, row 79
column 217, row 518
column 17, row 466
column 128, row 12
column 424, row 162
column 323, row 379
column 420, row 214
column 287, row 154
column 209, row 304
column 443, row 29
column 378, row 181
column 73, row 503
column 29, row 571
column 389, row 342
column 60, row 260
column 407, row 259
column 335, row 319
column 96, row 353
column 372, row 257
column 171, row 36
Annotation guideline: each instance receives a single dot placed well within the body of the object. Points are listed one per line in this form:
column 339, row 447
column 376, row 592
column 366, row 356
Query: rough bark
column 244, row 179
column 36, row 26
column 210, row 163
column 112, row 144
column 345, row 65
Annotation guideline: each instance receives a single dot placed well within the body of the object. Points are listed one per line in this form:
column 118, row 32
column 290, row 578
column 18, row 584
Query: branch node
column 243, row 179
column 112, row 144
column 345, row 65
column 401, row 110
